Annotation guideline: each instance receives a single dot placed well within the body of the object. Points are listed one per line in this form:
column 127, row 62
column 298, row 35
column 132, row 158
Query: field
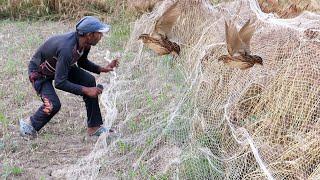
column 63, row 141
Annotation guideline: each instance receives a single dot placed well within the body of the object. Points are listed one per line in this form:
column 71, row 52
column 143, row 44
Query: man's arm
column 86, row 64
column 62, row 72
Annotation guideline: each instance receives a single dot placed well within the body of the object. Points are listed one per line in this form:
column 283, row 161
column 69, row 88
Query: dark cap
column 91, row 24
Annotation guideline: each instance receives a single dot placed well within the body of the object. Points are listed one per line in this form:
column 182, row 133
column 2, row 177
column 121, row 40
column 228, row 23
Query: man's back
column 55, row 47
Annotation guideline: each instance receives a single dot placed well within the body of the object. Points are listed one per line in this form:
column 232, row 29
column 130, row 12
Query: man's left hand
column 114, row 63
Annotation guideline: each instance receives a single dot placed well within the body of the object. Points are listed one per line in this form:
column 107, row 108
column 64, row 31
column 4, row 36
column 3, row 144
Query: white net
column 195, row 118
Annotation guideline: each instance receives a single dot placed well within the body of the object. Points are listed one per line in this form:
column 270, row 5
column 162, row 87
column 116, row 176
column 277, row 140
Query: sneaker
column 102, row 130
column 26, row 129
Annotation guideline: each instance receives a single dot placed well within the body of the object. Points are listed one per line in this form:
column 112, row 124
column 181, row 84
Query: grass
column 132, row 174
column 209, row 139
column 123, row 147
column 13, row 68
column 199, row 168
column 8, row 145
column 21, row 94
column 120, row 33
column 159, row 177
column 9, row 171
column 168, row 60
column 34, row 40
column 42, row 9
column 138, row 124
column 10, row 66
column 4, row 120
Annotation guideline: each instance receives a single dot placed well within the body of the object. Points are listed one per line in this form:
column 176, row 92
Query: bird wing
column 158, row 48
column 246, row 33
column 234, row 43
column 155, row 44
column 165, row 23
column 239, row 64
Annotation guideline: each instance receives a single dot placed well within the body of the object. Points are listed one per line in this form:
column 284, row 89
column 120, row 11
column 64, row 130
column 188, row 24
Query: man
column 63, row 58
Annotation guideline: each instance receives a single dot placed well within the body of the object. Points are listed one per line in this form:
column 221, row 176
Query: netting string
column 249, row 140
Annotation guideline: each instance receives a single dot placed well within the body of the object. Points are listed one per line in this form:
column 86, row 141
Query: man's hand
column 91, row 91
column 114, row 63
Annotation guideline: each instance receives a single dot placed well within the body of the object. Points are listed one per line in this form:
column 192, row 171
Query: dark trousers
column 51, row 103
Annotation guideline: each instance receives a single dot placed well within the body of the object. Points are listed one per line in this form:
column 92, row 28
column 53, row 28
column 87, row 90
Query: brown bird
column 158, row 40
column 238, row 45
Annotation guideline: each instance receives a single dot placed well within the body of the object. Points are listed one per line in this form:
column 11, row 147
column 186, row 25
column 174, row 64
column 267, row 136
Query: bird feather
column 165, row 23
column 234, row 43
column 246, row 33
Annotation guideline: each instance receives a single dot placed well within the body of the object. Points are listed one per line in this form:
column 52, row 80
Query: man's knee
column 90, row 81
column 51, row 106
column 56, row 105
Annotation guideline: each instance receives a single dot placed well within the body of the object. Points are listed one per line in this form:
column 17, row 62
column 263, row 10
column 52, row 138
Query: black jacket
column 54, row 58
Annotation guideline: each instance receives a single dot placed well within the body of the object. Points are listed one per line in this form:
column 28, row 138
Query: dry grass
column 113, row 10
column 108, row 10
column 142, row 6
column 288, row 8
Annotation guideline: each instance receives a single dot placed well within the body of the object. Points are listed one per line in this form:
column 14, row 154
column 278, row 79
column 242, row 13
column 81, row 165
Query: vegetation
column 15, row 95
column 109, row 10
column 112, row 11
column 199, row 168
column 10, row 170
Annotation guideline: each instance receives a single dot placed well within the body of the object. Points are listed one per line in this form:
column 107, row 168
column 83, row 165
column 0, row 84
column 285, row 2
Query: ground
column 63, row 140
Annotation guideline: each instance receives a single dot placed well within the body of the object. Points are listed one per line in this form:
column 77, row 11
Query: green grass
column 168, row 60
column 4, row 121
column 179, row 130
column 159, row 177
column 120, row 33
column 11, row 66
column 143, row 170
column 10, row 170
column 132, row 174
column 34, row 40
column 7, row 145
column 138, row 125
column 123, row 147
column 48, row 137
column 199, row 168
column 51, row 10
column 127, row 56
column 2, row 145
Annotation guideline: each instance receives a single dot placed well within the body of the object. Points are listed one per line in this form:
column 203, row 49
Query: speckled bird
column 238, row 46
column 158, row 40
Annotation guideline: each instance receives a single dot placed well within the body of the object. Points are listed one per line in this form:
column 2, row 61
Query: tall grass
column 108, row 10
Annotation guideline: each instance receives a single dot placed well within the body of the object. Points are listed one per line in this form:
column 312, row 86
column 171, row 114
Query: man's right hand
column 91, row 91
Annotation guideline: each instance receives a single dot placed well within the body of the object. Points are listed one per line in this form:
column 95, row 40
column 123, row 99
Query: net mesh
column 192, row 117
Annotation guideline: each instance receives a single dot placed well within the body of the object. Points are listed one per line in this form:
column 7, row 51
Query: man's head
column 92, row 28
